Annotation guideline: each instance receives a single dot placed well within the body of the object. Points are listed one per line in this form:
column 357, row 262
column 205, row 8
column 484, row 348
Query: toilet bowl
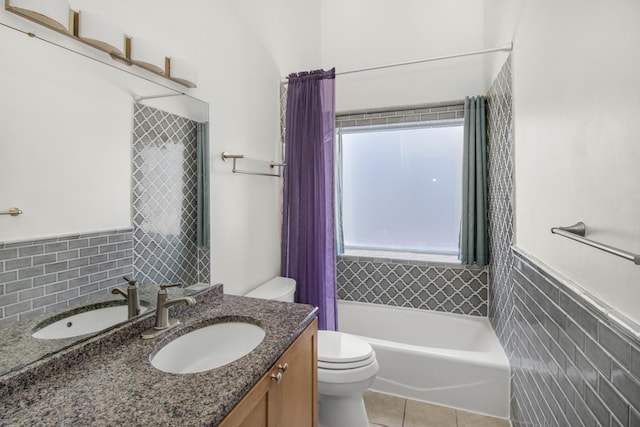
column 347, row 366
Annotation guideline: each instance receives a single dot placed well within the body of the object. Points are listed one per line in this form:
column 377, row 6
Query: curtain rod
column 506, row 48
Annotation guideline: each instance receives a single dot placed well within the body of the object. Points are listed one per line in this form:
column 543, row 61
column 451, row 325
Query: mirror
column 88, row 149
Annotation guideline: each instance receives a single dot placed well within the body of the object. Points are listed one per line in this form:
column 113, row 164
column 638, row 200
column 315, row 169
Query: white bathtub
column 443, row 358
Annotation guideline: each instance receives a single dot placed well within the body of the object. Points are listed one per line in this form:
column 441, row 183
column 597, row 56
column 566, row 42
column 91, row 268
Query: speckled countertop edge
column 109, row 379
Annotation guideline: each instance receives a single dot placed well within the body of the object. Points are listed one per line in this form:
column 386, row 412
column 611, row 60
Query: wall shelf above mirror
column 105, row 35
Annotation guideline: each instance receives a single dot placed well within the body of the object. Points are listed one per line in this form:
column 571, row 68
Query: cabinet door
column 291, row 400
column 253, row 409
column 294, row 399
column 258, row 416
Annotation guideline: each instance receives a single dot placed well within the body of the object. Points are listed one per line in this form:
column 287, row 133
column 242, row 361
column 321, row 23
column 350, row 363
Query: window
column 400, row 189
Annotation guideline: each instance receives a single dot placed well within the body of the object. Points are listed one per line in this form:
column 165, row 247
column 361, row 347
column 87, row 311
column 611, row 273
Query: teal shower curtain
column 203, row 219
column 474, row 239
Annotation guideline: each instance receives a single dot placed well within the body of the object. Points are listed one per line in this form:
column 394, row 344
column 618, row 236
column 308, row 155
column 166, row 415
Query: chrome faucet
column 131, row 295
column 163, row 323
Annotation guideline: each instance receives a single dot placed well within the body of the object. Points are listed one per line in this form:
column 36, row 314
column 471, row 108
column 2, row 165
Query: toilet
column 347, row 366
column 278, row 288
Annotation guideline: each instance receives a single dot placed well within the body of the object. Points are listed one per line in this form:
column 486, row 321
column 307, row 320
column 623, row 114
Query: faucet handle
column 130, row 281
column 169, row 285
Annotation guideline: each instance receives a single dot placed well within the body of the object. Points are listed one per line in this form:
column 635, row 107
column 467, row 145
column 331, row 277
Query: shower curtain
column 308, row 225
column 474, row 239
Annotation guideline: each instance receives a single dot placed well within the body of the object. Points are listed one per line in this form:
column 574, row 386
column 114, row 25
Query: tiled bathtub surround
column 414, row 284
column 500, row 195
column 40, row 276
column 570, row 365
column 165, row 200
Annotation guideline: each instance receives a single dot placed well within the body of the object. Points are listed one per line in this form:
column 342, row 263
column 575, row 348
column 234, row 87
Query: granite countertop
column 108, row 379
column 18, row 348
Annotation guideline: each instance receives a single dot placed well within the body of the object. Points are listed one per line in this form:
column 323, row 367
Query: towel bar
column 225, row 156
column 12, row 212
column 577, row 232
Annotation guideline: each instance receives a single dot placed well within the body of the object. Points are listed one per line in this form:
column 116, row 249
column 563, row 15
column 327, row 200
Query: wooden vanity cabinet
column 286, row 396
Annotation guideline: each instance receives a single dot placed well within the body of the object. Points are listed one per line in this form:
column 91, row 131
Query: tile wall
column 41, row 276
column 165, row 199
column 410, row 114
column 415, row 284
column 570, row 365
column 500, row 196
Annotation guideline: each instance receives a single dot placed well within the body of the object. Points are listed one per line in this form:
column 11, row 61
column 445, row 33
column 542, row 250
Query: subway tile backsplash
column 40, row 276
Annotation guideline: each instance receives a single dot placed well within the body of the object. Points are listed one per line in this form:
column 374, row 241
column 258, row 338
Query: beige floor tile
column 383, row 409
column 420, row 414
column 468, row 419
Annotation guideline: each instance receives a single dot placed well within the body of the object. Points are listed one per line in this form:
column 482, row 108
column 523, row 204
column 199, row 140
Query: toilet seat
column 344, row 358
column 344, row 376
column 347, row 365
column 339, row 347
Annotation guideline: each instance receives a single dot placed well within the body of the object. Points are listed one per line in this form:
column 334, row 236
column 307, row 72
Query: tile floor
column 391, row 411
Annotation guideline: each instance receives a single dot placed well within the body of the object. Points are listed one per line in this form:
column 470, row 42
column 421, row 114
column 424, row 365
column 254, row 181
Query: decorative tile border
column 41, row 276
column 415, row 284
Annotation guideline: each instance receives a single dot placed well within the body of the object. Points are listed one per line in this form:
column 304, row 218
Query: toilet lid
column 347, row 365
column 338, row 347
column 276, row 288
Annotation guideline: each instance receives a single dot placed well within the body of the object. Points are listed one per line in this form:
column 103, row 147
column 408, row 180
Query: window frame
column 406, row 255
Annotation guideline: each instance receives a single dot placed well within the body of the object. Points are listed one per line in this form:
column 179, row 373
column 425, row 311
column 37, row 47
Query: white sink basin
column 86, row 322
column 208, row 348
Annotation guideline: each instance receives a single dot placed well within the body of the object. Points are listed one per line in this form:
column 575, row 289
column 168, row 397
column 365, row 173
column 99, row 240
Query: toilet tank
column 279, row 289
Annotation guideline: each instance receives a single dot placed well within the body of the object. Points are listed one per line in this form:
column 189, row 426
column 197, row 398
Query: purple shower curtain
column 308, row 223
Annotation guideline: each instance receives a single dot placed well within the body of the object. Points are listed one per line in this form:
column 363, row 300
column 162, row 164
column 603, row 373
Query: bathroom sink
column 83, row 323
column 208, row 348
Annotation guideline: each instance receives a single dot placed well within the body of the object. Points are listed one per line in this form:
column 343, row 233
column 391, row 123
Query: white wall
column 501, row 20
column 363, row 33
column 239, row 65
column 575, row 73
column 65, row 137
